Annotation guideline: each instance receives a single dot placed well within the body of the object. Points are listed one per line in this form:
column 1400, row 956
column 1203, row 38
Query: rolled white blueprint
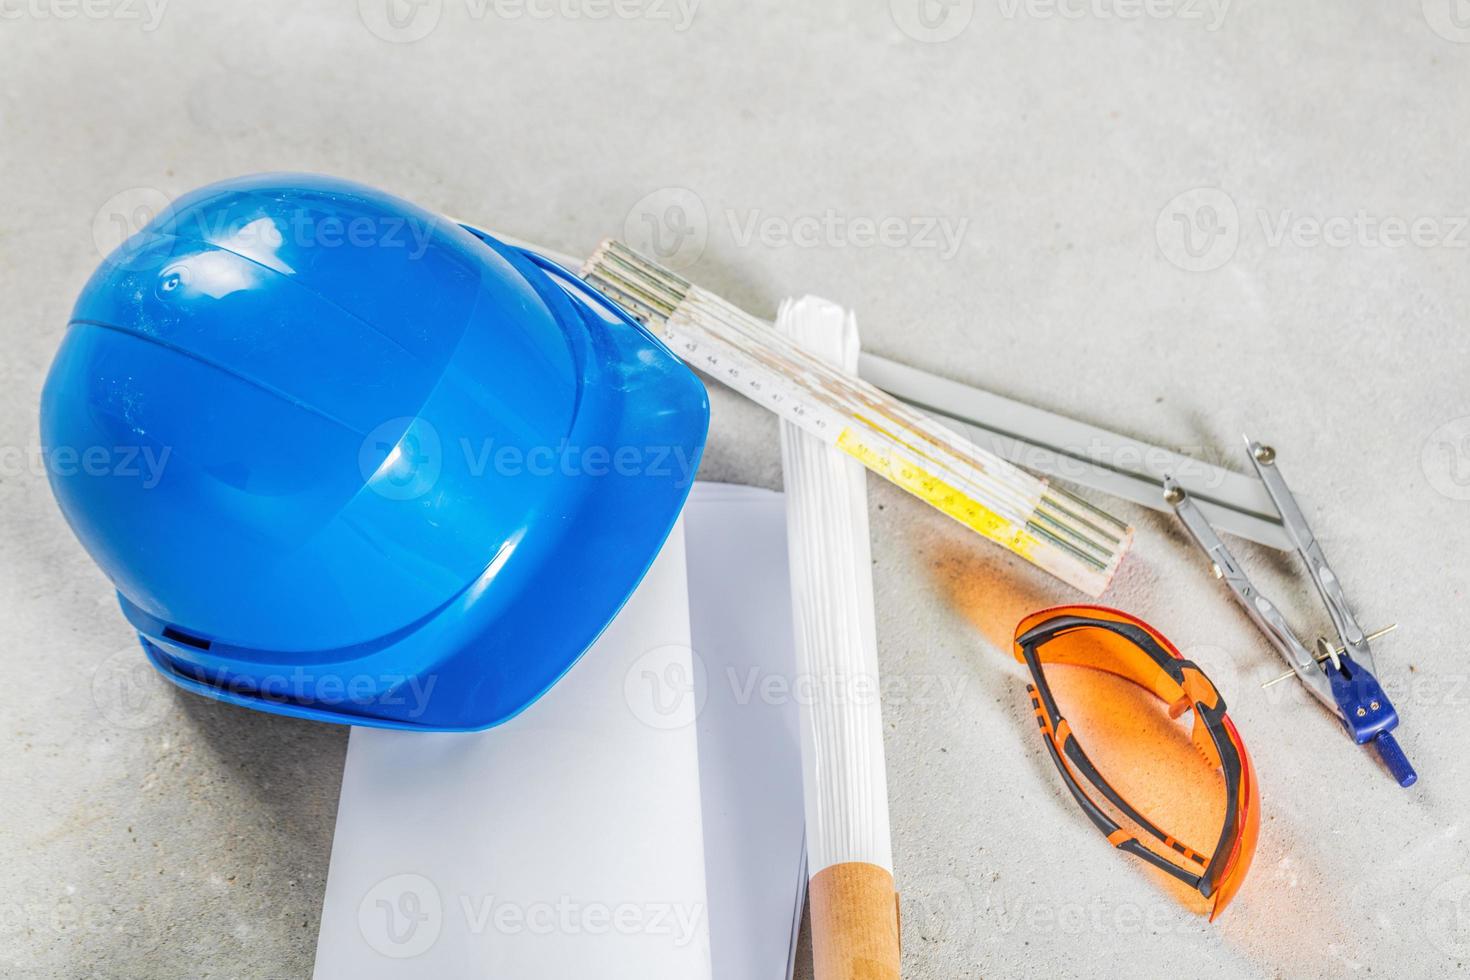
column 854, row 908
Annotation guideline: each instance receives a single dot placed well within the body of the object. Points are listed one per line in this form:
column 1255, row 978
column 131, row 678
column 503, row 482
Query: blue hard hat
column 345, row 459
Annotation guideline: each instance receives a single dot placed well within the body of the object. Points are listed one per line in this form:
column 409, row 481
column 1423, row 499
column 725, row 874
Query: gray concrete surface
column 1320, row 301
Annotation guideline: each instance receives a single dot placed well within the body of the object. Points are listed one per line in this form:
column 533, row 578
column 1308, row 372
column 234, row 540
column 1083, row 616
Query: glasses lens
column 1155, row 782
column 1248, row 813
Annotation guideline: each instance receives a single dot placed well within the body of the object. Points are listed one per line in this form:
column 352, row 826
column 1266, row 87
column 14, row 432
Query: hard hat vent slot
column 178, row 636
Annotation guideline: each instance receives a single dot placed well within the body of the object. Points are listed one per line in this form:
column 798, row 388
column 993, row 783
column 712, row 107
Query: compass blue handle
column 1394, row 758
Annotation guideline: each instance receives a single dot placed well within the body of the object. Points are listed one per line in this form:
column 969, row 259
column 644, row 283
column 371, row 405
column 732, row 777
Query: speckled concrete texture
column 1179, row 219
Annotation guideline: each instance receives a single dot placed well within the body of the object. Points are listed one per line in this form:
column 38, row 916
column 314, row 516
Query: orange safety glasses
column 1115, row 643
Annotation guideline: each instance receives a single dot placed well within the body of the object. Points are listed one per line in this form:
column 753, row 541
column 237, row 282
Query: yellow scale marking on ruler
column 938, row 494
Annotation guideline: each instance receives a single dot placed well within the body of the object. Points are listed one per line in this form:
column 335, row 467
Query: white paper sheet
column 566, row 839
column 749, row 741
column 570, row 842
